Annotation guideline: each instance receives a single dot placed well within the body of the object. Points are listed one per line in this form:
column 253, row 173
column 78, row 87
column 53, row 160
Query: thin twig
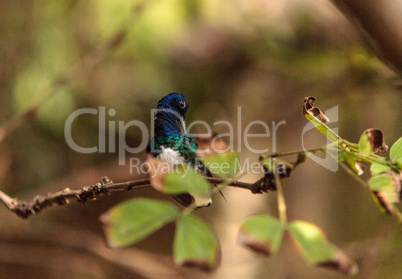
column 350, row 171
column 398, row 214
column 281, row 198
column 297, row 152
column 24, row 209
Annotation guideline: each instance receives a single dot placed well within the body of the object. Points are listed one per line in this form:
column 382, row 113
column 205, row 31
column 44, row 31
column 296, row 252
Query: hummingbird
column 172, row 144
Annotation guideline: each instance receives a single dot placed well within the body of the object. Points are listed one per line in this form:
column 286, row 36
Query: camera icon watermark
column 329, row 161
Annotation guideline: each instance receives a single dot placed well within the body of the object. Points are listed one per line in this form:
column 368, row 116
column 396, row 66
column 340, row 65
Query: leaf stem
column 350, row 171
column 398, row 214
column 305, row 151
column 281, row 198
column 296, row 152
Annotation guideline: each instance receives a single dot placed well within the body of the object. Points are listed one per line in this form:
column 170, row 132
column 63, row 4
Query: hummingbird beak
column 183, row 124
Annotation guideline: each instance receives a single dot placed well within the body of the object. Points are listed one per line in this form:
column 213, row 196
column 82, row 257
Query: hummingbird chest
column 176, row 150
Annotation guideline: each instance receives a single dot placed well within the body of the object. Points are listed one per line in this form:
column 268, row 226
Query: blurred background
column 262, row 56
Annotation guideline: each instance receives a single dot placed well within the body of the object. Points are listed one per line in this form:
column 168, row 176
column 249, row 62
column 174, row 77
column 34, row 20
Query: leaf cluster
column 196, row 245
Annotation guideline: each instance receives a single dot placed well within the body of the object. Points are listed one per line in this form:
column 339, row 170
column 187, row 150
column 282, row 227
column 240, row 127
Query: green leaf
column 185, row 180
column 386, row 190
column 399, row 162
column 262, row 234
column 355, row 165
column 384, row 182
column 316, row 249
column 195, row 244
column 224, row 164
column 395, row 153
column 377, row 168
column 133, row 220
column 324, row 129
column 311, row 242
column 342, row 156
column 364, row 145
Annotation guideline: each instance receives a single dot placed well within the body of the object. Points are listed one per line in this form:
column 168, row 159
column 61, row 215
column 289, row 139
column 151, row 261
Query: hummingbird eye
column 182, row 104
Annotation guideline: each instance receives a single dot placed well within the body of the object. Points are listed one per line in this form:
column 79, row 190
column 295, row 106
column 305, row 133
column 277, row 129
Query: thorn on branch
column 94, row 191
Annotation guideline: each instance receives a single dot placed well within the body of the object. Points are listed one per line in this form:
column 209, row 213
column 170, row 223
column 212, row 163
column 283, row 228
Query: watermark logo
column 123, row 148
column 246, row 166
column 328, row 161
column 112, row 131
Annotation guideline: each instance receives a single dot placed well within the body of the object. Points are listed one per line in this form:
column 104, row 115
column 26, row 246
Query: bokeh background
column 262, row 56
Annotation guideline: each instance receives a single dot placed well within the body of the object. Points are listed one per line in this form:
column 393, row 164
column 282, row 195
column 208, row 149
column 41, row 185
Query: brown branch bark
column 382, row 22
column 24, row 209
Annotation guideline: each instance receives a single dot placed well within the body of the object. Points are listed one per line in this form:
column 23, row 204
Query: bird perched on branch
column 172, row 144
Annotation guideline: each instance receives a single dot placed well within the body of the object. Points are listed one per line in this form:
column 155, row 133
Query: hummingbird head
column 175, row 102
column 174, row 107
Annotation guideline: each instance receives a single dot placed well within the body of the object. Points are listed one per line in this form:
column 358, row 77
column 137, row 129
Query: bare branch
column 24, row 209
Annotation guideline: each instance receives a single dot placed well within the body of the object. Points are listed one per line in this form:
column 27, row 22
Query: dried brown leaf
column 360, row 168
column 342, row 263
column 309, row 108
column 388, row 191
column 308, row 104
column 397, row 179
column 376, row 140
column 385, row 201
column 209, row 145
column 198, row 264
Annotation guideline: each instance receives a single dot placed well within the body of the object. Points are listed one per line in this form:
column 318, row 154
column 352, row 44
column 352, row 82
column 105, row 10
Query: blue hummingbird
column 172, row 144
